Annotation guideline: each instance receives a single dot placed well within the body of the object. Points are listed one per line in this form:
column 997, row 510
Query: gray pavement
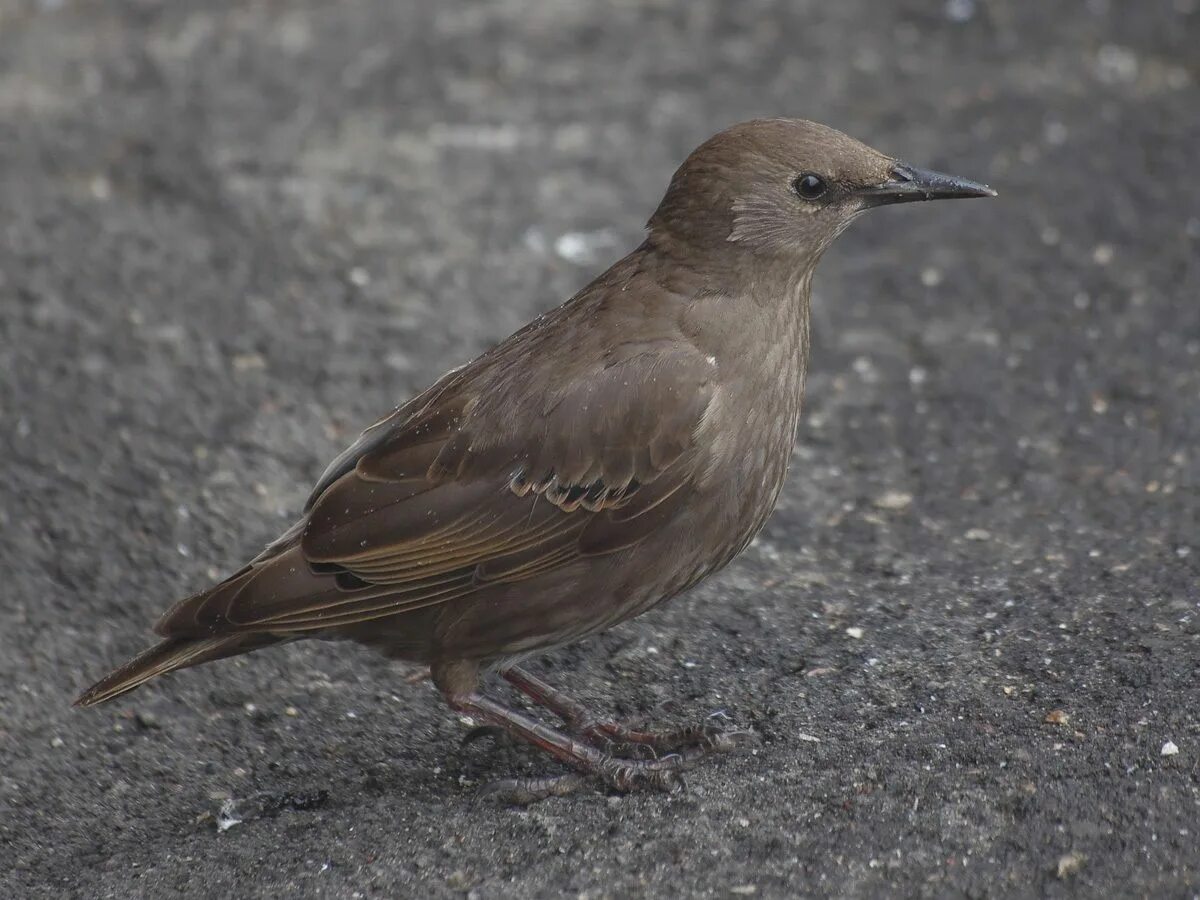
column 232, row 234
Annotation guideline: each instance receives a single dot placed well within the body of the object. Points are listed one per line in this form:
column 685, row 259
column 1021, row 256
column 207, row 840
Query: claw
column 524, row 791
column 627, row 775
column 705, row 737
column 729, row 741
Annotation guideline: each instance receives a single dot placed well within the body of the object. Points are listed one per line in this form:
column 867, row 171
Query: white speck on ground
column 584, row 247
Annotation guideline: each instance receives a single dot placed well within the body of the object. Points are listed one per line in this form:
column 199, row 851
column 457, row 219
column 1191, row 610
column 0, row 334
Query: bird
column 608, row 456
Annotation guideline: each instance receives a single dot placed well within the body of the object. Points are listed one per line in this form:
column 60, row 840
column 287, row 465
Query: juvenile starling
column 609, row 455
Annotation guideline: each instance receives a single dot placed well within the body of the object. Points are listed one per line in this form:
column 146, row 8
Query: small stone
column 1169, row 749
column 893, row 500
column 459, row 880
column 931, row 277
column 744, row 890
column 960, row 11
column 855, row 632
column 865, row 369
column 291, row 711
column 1116, row 65
column 1057, row 717
column 359, row 277
column 1055, row 133
column 247, row 362
column 146, row 720
column 227, row 817
column 101, row 187
column 978, row 534
column 399, row 362
column 1102, row 255
column 584, row 248
column 1069, row 864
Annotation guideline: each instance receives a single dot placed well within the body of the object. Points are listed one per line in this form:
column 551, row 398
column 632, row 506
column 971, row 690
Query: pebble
column 1069, row 864
column 1055, row 133
column 1169, row 749
column 248, row 362
column 960, row 11
column 1116, row 65
column 584, row 248
column 893, row 500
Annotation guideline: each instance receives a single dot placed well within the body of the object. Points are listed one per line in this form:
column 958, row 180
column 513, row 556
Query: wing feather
column 468, row 486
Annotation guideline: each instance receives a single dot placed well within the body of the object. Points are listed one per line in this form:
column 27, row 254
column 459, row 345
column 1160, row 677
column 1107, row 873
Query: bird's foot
column 620, row 739
column 623, row 775
column 702, row 738
column 591, row 746
column 524, row 791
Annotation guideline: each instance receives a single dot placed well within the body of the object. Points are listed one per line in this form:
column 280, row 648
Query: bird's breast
column 751, row 428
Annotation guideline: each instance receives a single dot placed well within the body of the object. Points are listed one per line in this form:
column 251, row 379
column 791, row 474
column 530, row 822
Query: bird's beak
column 909, row 183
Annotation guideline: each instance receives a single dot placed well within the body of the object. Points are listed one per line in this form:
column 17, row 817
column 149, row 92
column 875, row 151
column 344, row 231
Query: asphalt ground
column 232, row 234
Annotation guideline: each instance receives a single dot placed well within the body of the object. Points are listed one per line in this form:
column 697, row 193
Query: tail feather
column 167, row 656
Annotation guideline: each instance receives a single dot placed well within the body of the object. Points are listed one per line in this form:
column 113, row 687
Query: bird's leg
column 578, row 717
column 582, row 721
column 621, row 774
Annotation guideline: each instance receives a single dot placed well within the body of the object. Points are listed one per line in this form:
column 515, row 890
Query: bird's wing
column 465, row 486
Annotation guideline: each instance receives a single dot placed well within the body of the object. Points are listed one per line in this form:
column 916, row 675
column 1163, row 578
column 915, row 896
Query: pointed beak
column 908, row 183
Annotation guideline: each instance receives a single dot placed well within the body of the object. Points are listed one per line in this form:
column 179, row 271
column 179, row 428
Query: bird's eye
column 809, row 186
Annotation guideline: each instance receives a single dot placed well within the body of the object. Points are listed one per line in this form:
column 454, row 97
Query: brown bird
column 609, row 455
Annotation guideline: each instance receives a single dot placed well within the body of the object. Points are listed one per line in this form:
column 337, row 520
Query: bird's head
column 787, row 188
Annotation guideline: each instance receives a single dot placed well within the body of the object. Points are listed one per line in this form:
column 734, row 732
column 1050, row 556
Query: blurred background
column 233, row 234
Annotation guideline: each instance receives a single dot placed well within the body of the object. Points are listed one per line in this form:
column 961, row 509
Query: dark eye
column 809, row 186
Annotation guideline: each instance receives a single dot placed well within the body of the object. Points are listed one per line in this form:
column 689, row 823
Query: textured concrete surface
column 233, row 233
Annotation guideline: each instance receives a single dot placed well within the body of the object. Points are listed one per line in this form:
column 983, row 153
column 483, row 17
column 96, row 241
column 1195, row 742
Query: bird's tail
column 167, row 656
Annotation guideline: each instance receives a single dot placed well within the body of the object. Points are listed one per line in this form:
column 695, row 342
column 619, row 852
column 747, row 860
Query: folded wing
column 474, row 483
